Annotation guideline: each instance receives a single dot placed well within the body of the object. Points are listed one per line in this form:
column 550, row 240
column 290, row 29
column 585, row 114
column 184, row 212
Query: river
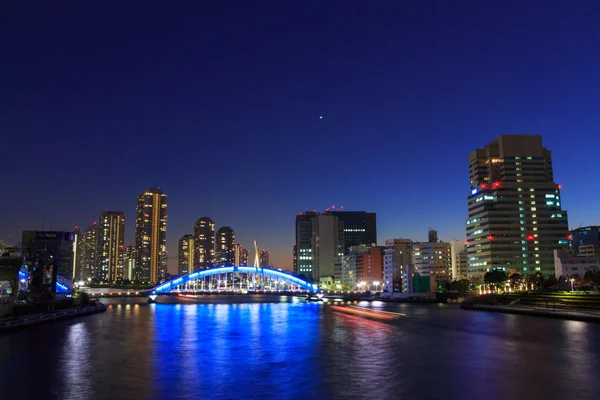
column 297, row 350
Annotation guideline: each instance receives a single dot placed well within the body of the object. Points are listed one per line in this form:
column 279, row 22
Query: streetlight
column 361, row 284
column 572, row 280
column 376, row 283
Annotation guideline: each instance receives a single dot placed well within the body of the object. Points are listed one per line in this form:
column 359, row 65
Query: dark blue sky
column 219, row 106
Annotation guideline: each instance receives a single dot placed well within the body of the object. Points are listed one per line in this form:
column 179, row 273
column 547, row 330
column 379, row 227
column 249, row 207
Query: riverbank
column 27, row 320
column 561, row 313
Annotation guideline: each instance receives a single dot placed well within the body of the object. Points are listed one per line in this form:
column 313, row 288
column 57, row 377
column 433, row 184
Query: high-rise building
column 111, row 246
column 131, row 271
column 516, row 219
column 320, row 245
column 225, row 249
column 186, row 255
column 264, row 258
column 204, row 243
column 151, row 235
column 90, row 265
column 304, row 244
column 360, row 227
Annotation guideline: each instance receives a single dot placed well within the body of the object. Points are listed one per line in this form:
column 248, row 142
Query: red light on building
column 569, row 237
column 530, row 237
column 495, row 184
column 560, row 186
column 483, row 185
column 490, row 237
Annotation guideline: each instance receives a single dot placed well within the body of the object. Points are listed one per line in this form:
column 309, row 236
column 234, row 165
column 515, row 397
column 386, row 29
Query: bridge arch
column 265, row 272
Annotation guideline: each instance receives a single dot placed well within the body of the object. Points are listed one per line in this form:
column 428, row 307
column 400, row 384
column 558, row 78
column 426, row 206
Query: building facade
column 458, row 254
column 131, row 271
column 319, row 246
column 204, row 243
column 360, row 227
column 90, row 265
column 388, row 269
column 48, row 256
column 327, row 246
column 516, row 219
column 304, row 244
column 567, row 262
column 151, row 235
column 433, row 260
column 225, row 249
column 111, row 246
column 585, row 236
column 264, row 258
column 185, row 258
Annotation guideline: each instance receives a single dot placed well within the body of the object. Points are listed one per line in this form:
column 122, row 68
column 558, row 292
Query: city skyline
column 397, row 127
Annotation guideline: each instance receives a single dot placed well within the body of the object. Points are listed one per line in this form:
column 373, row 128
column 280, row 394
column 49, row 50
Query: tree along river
column 296, row 350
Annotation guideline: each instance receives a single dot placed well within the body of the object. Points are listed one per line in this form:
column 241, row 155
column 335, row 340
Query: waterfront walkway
column 11, row 323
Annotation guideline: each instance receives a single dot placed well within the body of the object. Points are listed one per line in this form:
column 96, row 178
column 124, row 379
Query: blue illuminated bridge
column 231, row 278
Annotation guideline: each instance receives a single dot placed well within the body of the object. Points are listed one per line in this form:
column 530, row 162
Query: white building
column 567, row 262
column 458, row 254
column 388, row 269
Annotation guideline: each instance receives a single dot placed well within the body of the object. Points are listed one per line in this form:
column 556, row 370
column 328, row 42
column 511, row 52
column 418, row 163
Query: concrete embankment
column 28, row 320
column 561, row 313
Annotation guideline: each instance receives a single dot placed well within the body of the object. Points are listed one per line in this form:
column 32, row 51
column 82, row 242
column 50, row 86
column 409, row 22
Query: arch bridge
column 232, row 278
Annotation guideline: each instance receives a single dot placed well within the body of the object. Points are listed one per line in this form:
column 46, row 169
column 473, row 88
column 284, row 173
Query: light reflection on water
column 299, row 350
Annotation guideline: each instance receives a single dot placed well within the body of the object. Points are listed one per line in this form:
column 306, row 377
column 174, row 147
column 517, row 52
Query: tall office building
column 303, row 246
column 264, row 258
column 111, row 246
column 186, row 255
column 515, row 220
column 131, row 271
column 90, row 265
column 204, row 243
column 320, row 245
column 360, row 227
column 225, row 249
column 151, row 235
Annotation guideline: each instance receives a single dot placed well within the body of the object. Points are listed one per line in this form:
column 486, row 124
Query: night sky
column 219, row 106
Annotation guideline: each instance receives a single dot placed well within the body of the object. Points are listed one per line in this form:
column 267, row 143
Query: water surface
column 297, row 350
